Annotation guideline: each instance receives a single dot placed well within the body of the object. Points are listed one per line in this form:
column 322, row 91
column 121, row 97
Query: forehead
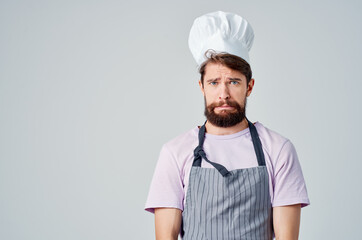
column 213, row 69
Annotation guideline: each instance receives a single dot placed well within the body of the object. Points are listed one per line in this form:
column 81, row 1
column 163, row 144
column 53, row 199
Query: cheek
column 210, row 95
column 238, row 96
column 208, row 99
column 237, row 93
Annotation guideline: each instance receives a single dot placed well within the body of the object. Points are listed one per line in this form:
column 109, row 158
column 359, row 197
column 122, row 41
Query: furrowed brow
column 235, row 79
column 212, row 79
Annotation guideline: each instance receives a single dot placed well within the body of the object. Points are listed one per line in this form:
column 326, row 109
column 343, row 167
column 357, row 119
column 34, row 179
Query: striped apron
column 227, row 205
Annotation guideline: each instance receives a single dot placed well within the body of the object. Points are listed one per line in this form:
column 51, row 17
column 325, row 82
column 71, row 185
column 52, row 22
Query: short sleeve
column 166, row 188
column 289, row 184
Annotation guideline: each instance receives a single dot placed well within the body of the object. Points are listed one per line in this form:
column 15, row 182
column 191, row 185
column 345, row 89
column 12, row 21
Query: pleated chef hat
column 221, row 32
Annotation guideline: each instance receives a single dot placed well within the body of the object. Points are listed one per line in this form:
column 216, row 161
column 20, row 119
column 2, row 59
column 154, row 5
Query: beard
column 226, row 118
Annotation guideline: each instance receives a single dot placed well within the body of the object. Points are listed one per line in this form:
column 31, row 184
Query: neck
column 212, row 129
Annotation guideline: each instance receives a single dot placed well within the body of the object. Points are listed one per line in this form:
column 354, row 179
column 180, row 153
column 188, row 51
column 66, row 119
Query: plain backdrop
column 90, row 90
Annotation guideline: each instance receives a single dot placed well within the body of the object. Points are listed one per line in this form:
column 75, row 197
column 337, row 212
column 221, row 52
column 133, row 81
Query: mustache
column 227, row 102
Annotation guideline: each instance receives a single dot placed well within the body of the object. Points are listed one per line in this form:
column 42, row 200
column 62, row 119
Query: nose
column 224, row 92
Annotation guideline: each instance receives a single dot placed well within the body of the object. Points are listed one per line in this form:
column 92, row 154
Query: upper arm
column 167, row 223
column 167, row 188
column 286, row 221
column 288, row 182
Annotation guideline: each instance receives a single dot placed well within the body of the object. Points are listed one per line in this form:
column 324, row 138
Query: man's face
column 225, row 91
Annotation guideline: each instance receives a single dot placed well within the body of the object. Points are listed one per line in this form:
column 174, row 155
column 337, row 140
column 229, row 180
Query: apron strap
column 257, row 144
column 199, row 153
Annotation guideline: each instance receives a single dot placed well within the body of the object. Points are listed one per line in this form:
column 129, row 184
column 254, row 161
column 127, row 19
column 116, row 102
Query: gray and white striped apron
column 227, row 205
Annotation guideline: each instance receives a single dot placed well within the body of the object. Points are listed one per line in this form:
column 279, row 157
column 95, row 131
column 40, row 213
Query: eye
column 213, row 83
column 234, row 82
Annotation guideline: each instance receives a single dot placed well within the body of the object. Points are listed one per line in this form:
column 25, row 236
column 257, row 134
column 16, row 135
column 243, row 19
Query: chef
column 229, row 178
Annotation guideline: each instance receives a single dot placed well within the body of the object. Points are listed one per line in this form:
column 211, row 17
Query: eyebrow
column 216, row 79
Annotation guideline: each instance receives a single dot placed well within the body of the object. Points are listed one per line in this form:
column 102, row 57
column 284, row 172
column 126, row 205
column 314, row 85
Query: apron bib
column 227, row 205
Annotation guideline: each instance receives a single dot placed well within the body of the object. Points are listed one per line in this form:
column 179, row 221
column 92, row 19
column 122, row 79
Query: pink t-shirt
column 235, row 151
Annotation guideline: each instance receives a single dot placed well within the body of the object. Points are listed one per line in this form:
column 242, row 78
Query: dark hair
column 228, row 60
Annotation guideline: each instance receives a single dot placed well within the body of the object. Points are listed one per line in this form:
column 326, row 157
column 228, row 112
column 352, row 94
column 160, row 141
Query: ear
column 202, row 88
column 250, row 87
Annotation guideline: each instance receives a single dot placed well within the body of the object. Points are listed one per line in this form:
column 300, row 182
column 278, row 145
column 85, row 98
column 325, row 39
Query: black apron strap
column 199, row 153
column 257, row 144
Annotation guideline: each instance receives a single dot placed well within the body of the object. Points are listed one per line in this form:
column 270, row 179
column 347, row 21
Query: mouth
column 224, row 107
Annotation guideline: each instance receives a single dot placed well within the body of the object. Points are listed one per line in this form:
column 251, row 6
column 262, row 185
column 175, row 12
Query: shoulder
column 182, row 142
column 270, row 137
column 273, row 142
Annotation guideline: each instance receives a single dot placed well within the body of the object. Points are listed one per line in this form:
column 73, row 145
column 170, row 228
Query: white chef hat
column 221, row 32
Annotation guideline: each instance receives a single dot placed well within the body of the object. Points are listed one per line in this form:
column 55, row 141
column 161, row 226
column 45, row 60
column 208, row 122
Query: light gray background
column 90, row 90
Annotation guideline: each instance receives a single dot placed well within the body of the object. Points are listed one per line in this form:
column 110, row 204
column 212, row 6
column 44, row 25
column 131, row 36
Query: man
column 229, row 178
